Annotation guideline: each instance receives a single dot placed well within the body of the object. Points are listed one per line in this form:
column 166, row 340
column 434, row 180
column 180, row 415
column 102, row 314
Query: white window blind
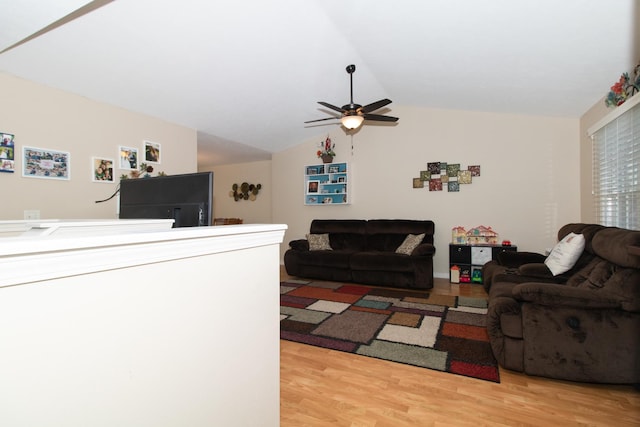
column 616, row 171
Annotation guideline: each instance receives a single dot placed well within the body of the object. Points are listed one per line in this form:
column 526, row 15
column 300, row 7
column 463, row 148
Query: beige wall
column 529, row 184
column 535, row 170
column 43, row 117
column 251, row 212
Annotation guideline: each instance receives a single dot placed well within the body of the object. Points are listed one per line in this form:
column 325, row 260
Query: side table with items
column 466, row 260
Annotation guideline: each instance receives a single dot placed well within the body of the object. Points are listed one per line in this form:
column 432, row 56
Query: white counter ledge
column 155, row 328
column 36, row 257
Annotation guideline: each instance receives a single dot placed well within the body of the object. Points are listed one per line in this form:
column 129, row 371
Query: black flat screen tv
column 186, row 198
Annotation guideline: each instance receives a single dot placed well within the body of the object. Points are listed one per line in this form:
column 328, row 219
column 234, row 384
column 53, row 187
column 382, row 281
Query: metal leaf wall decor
column 441, row 175
column 244, row 191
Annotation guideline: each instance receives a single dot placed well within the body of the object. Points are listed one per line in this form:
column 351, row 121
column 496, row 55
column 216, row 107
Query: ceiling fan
column 352, row 115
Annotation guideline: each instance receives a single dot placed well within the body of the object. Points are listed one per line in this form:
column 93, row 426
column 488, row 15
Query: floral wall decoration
column 441, row 176
column 144, row 172
column 326, row 150
column 623, row 89
column 245, row 191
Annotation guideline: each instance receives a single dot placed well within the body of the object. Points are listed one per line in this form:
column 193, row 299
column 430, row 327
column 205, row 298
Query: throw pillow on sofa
column 319, row 242
column 565, row 253
column 410, row 243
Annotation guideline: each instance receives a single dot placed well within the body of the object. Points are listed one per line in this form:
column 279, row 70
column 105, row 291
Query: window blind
column 616, row 171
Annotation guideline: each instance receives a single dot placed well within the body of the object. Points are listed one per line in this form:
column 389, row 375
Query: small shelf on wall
column 326, row 184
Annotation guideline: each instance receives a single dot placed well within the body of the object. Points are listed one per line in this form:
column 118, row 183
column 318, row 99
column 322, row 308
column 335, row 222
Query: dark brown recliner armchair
column 583, row 325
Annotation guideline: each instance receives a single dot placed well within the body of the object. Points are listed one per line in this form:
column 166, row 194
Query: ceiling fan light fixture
column 352, row 122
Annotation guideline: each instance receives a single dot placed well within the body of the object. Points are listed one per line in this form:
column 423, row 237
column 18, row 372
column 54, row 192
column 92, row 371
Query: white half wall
column 176, row 328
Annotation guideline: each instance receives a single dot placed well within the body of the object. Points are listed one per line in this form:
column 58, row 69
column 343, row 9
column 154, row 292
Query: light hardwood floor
column 320, row 387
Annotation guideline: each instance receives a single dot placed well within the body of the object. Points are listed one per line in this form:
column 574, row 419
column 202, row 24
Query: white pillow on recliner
column 565, row 253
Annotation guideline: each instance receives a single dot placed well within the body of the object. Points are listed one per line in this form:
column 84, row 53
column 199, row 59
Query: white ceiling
column 247, row 73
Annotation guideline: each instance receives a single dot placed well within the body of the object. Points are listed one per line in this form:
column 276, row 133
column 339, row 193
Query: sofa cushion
column 381, row 261
column 328, row 259
column 388, row 234
column 565, row 253
column 410, row 243
column 613, row 244
column 319, row 242
column 344, row 234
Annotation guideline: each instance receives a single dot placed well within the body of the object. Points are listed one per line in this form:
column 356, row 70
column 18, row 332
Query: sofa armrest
column 550, row 294
column 299, row 245
column 424, row 249
column 535, row 272
column 513, row 259
column 537, row 269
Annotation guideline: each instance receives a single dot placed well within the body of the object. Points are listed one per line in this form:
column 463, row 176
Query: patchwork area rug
column 441, row 332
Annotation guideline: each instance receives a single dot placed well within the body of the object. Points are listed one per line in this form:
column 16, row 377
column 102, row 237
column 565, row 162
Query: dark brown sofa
column 582, row 325
column 363, row 251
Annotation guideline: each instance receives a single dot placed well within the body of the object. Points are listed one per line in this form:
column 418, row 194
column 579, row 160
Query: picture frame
column 7, row 153
column 418, row 183
column 312, row 171
column 128, row 158
column 342, row 179
column 46, row 163
column 152, row 152
column 102, row 170
column 334, row 169
column 313, row 186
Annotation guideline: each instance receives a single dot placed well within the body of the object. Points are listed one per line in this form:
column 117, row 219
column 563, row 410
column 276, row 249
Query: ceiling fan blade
column 333, row 107
column 321, row 120
column 379, row 118
column 375, row 105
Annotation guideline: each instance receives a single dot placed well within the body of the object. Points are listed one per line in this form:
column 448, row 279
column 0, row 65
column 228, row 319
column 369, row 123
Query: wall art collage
column 439, row 175
column 55, row 164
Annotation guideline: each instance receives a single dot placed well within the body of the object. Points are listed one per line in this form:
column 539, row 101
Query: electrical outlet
column 32, row 214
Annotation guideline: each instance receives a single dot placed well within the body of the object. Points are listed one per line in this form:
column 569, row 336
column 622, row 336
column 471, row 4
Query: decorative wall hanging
column 144, row 172
column 102, row 169
column 245, row 191
column 128, row 158
column 326, row 152
column 45, row 163
column 439, row 175
column 7, row 153
column 623, row 89
column 151, row 152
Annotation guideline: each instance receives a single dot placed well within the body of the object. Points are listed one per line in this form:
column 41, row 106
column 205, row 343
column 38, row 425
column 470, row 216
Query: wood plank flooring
column 320, row 387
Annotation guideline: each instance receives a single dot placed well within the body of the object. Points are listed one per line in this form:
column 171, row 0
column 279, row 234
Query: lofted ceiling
column 246, row 74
